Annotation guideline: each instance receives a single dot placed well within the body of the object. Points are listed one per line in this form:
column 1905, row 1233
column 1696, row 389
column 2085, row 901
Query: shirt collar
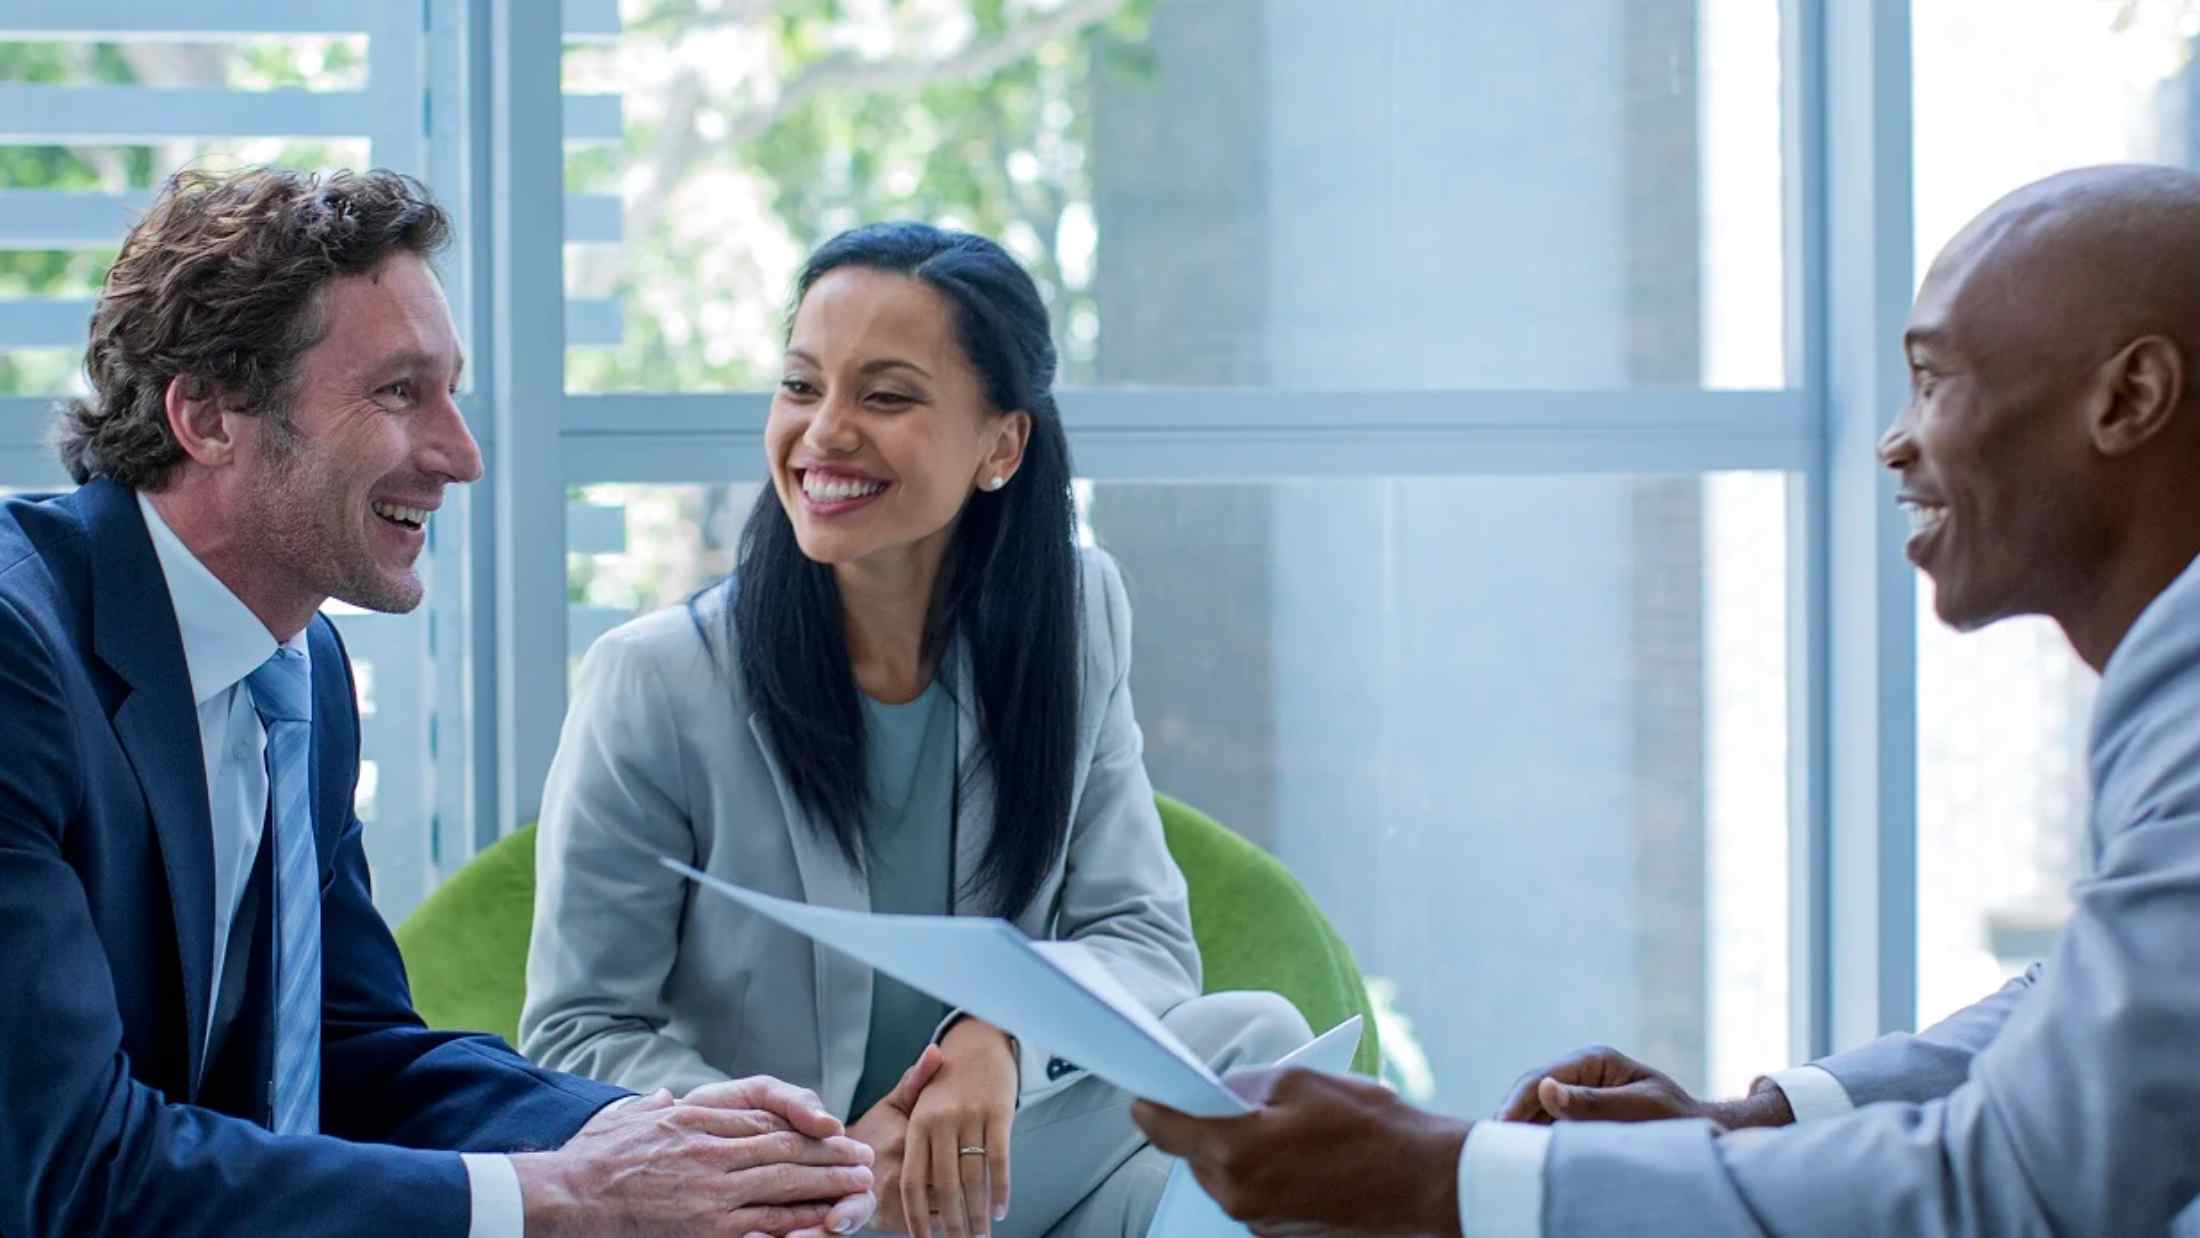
column 223, row 641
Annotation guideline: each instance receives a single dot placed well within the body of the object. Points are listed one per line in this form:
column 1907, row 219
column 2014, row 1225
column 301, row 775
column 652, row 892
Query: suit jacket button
column 1056, row 1068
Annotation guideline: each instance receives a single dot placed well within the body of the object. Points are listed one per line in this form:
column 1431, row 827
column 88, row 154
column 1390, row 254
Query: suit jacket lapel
column 974, row 798
column 331, row 769
column 843, row 985
column 134, row 632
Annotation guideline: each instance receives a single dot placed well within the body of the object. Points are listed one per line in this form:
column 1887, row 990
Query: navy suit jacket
column 108, row 1123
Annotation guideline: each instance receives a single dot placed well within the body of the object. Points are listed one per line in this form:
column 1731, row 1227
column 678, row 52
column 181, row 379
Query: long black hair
column 1009, row 587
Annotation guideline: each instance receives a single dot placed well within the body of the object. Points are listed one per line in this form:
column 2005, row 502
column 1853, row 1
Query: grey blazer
column 2068, row 1103
column 635, row 979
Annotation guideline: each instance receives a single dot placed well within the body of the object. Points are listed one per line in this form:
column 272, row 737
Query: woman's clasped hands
column 941, row 1136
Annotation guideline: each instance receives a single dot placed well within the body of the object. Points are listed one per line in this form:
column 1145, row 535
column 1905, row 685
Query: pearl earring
column 996, row 483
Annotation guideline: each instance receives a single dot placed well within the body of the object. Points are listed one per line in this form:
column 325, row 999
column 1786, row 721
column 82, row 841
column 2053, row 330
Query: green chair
column 1258, row 928
column 465, row 947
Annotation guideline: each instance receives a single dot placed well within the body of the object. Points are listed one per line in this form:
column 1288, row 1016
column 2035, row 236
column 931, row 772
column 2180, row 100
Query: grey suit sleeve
column 1922, row 1066
column 2081, row 1116
column 607, row 915
column 1122, row 893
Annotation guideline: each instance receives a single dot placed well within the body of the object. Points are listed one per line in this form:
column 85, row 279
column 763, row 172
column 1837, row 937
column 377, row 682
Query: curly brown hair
column 219, row 285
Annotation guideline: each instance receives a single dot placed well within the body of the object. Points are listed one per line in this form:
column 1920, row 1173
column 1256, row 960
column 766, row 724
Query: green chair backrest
column 1258, row 928
column 465, row 946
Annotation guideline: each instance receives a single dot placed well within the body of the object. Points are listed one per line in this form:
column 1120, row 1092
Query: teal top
column 908, row 849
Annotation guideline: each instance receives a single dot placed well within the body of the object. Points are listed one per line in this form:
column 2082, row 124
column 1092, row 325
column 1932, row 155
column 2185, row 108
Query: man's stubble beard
column 327, row 552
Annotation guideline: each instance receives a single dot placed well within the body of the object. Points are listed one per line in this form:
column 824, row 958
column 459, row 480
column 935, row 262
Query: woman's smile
column 836, row 492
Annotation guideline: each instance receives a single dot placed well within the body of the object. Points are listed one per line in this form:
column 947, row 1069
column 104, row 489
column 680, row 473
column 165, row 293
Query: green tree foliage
column 56, row 273
column 989, row 134
column 75, row 274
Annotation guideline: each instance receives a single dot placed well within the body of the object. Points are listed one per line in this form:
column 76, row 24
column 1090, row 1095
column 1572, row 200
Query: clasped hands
column 1601, row 1084
column 748, row 1158
column 941, row 1137
column 758, row 1158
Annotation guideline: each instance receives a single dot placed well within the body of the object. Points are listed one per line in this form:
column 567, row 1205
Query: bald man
column 2050, row 460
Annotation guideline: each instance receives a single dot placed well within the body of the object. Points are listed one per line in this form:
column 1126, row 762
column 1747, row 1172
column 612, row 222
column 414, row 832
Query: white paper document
column 1187, row 1211
column 1050, row 994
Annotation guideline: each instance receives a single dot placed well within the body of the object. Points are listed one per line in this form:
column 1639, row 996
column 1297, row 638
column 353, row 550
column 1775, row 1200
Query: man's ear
column 1011, row 434
column 2143, row 388
column 196, row 418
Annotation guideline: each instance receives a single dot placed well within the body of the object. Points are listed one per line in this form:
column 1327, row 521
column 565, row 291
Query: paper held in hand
column 1053, row 994
column 1186, row 1211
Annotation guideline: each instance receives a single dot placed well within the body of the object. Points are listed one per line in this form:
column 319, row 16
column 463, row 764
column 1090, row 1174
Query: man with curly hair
column 209, row 1028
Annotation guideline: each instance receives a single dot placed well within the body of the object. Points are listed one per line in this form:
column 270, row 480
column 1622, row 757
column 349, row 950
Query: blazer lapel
column 843, row 985
column 134, row 632
column 974, row 799
column 331, row 774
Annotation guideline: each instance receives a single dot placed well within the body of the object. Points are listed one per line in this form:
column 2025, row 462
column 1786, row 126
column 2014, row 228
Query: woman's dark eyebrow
column 868, row 367
column 890, row 363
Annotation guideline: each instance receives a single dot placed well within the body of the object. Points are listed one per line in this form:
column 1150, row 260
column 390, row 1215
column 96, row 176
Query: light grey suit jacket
column 2067, row 1103
column 634, row 979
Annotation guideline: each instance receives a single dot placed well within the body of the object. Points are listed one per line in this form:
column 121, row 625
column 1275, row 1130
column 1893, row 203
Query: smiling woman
column 854, row 462
column 918, row 682
column 918, row 371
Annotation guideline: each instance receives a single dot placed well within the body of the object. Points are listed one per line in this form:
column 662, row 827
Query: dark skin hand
column 1601, row 1084
column 1320, row 1152
column 1331, row 1153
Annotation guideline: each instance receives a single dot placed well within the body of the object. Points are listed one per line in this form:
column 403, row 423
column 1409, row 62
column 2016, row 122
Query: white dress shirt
column 223, row 642
column 1501, row 1168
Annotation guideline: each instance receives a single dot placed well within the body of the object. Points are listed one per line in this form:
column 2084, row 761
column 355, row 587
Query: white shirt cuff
column 1813, row 1093
column 1501, row 1180
column 498, row 1210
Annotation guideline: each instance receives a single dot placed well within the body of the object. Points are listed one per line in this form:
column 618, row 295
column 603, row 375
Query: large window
column 1455, row 384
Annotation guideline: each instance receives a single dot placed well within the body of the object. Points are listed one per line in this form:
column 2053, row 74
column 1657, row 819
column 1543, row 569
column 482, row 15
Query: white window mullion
column 1861, row 695
column 526, row 485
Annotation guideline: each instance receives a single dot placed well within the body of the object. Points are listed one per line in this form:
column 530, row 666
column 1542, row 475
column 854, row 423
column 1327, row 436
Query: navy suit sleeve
column 84, row 1147
column 385, row 1077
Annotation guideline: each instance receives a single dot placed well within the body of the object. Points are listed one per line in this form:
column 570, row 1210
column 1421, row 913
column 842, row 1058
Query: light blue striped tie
column 282, row 692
